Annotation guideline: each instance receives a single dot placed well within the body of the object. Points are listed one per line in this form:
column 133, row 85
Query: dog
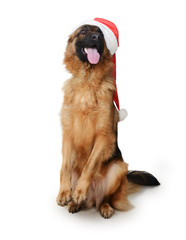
column 93, row 171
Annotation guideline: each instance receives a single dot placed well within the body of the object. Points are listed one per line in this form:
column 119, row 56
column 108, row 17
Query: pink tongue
column 93, row 55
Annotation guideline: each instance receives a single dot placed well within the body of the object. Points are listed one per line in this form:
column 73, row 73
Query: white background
column 151, row 76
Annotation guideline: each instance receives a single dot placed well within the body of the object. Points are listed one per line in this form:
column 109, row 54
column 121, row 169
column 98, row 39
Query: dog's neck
column 93, row 73
column 88, row 71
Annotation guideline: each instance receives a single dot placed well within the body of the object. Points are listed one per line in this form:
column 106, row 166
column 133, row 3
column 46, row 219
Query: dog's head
column 86, row 45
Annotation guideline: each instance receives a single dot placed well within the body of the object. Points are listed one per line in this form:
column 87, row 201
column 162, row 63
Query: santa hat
column 111, row 36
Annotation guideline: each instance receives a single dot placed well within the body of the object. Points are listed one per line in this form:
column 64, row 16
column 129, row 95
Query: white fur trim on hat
column 122, row 114
column 109, row 36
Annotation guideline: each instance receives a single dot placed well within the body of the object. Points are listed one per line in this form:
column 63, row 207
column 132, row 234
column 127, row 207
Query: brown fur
column 89, row 120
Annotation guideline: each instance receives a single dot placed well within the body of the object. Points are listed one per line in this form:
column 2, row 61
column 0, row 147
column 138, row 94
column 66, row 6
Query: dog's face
column 86, row 49
column 89, row 44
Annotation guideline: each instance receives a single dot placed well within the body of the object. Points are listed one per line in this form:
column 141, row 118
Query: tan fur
column 106, row 210
column 89, row 120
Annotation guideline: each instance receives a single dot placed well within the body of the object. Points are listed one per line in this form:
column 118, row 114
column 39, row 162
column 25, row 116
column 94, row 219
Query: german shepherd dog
column 93, row 172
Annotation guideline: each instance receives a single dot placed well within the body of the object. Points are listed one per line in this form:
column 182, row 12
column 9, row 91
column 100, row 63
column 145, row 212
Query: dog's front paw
column 63, row 198
column 79, row 196
column 73, row 207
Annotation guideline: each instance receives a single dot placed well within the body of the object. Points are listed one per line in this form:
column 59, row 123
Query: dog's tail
column 137, row 178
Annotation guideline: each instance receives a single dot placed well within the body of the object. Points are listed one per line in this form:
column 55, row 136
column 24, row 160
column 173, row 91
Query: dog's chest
column 85, row 99
column 84, row 112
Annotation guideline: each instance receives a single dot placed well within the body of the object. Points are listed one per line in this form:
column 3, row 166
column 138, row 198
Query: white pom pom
column 122, row 114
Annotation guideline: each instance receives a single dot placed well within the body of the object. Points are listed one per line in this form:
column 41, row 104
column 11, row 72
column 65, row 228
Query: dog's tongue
column 93, row 55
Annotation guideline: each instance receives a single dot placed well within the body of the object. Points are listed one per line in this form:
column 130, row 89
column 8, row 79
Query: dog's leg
column 112, row 190
column 102, row 150
column 73, row 207
column 106, row 210
column 64, row 195
column 119, row 199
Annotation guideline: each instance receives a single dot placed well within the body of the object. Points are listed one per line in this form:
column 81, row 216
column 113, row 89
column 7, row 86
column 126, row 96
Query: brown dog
column 93, row 172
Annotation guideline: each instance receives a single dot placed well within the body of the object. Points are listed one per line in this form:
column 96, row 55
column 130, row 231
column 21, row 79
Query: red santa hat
column 111, row 36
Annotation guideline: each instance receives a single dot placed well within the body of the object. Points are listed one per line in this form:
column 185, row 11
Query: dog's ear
column 73, row 35
column 71, row 38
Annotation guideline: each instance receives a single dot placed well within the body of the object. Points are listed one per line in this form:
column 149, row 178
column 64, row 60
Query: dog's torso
column 85, row 113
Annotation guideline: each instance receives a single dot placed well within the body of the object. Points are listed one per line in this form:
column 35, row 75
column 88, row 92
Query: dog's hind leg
column 108, row 188
column 119, row 199
column 106, row 210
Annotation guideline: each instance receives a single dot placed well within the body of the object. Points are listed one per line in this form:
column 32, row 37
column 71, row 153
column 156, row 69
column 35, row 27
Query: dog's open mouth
column 93, row 55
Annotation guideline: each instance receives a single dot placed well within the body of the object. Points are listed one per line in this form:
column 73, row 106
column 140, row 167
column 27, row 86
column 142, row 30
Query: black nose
column 95, row 36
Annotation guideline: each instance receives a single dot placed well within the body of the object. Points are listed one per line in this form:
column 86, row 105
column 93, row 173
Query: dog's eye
column 83, row 31
column 99, row 30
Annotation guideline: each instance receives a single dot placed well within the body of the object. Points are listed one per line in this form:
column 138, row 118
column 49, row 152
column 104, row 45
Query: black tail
column 142, row 178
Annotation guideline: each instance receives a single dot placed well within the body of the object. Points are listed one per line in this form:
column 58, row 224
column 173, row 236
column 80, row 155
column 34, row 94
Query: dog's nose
column 95, row 36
